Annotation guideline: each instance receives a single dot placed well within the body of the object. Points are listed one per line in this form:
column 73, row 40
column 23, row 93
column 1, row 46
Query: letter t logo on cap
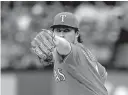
column 62, row 17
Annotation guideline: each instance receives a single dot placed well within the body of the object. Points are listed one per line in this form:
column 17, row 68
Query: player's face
column 67, row 33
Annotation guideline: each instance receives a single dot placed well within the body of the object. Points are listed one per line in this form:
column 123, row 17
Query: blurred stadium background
column 104, row 29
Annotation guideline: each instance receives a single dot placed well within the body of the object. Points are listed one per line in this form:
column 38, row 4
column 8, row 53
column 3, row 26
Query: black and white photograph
column 64, row 47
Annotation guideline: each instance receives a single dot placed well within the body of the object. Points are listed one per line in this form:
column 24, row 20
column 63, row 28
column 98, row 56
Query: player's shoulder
column 77, row 45
column 81, row 48
column 87, row 52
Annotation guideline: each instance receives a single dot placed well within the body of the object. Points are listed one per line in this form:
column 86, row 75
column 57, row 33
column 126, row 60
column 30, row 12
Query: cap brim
column 54, row 26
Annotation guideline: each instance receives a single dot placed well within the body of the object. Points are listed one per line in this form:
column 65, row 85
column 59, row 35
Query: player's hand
column 43, row 45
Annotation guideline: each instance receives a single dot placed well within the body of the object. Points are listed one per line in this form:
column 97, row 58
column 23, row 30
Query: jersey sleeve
column 77, row 67
column 102, row 72
column 100, row 69
column 76, row 63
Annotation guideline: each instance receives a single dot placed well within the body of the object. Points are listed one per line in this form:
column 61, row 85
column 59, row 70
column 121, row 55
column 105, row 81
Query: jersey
column 78, row 73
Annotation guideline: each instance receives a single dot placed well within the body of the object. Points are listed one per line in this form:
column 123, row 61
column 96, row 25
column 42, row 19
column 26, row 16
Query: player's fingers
column 33, row 43
column 48, row 45
column 42, row 39
column 46, row 36
column 36, row 43
column 49, row 34
column 44, row 49
column 42, row 45
column 47, row 31
column 45, row 41
column 38, row 52
column 52, row 38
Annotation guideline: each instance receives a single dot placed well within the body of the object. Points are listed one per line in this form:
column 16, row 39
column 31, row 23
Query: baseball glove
column 43, row 45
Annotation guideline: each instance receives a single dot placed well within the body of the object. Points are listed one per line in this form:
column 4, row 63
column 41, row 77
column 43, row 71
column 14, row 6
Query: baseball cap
column 65, row 19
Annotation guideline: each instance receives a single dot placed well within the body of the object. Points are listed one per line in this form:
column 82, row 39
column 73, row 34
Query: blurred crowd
column 103, row 26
